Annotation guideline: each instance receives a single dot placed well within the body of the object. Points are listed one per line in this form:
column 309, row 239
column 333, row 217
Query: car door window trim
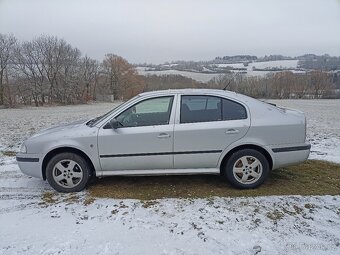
column 222, row 106
column 171, row 106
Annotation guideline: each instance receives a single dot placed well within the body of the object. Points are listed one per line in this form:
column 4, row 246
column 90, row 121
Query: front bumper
column 30, row 164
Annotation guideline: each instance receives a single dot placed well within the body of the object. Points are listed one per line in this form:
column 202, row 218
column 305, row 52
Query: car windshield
column 96, row 120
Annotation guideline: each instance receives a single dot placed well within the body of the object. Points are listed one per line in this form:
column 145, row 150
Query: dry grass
column 310, row 178
column 51, row 198
column 89, row 200
column 9, row 153
column 47, row 199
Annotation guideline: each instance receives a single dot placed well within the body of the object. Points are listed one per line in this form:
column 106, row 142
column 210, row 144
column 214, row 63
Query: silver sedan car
column 190, row 131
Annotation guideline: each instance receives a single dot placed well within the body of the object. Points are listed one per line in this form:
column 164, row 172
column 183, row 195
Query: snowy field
column 36, row 220
column 20, row 124
column 201, row 77
column 276, row 63
column 205, row 77
column 265, row 64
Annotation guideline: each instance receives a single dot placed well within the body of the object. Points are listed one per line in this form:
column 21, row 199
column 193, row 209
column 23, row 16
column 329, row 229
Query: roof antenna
column 232, row 78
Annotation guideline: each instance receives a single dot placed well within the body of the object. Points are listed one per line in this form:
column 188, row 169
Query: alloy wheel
column 67, row 173
column 247, row 169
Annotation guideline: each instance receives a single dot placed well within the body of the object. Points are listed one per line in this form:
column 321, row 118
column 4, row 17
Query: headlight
column 23, row 148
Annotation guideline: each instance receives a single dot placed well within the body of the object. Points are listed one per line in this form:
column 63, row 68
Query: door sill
column 160, row 172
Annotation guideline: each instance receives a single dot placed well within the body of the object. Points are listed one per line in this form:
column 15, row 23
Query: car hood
column 64, row 127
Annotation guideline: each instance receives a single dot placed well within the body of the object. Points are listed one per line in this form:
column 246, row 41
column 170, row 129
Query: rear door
column 205, row 127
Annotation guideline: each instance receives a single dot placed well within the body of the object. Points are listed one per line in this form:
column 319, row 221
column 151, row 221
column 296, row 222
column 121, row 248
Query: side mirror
column 114, row 123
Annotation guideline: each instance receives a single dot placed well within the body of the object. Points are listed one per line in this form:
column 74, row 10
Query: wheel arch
column 247, row 146
column 59, row 150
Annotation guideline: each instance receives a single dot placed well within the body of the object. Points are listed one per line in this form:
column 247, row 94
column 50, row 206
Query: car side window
column 200, row 109
column 150, row 112
column 233, row 111
column 210, row 108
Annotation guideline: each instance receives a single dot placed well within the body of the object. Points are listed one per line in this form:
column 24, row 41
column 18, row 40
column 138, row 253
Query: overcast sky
column 165, row 30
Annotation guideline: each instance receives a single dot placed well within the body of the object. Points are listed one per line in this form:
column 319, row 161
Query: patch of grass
column 52, row 198
column 310, row 178
column 89, row 200
column 297, row 210
column 71, row 198
column 149, row 203
column 309, row 206
column 9, row 153
column 275, row 215
column 48, row 198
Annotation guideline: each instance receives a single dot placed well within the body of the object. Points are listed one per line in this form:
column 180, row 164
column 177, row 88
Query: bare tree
column 57, row 54
column 52, row 69
column 29, row 64
column 120, row 75
column 7, row 45
column 89, row 77
column 320, row 83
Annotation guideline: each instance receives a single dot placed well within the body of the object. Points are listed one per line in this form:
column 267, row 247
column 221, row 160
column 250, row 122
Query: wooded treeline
column 48, row 70
column 281, row 85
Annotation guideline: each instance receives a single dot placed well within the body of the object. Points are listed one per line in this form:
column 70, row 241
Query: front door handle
column 232, row 131
column 163, row 135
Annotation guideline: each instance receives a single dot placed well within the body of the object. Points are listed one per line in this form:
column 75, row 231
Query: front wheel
column 68, row 172
column 246, row 169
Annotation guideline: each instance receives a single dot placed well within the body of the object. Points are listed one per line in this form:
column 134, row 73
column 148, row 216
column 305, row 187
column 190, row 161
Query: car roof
column 189, row 91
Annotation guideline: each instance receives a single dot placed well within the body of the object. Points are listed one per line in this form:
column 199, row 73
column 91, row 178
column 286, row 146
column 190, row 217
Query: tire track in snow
column 15, row 208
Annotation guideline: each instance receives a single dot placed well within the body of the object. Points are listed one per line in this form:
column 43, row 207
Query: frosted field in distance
column 205, row 77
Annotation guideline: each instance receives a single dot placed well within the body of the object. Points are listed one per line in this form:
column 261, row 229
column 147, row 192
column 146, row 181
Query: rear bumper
column 30, row 164
column 289, row 154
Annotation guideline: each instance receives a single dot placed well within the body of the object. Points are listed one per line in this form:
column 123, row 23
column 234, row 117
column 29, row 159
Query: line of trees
column 48, row 70
column 281, row 85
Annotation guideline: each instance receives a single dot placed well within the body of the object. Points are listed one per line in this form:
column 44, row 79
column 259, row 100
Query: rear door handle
column 232, row 131
column 163, row 135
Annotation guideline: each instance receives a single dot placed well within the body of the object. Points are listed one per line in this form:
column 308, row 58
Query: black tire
column 63, row 157
column 236, row 157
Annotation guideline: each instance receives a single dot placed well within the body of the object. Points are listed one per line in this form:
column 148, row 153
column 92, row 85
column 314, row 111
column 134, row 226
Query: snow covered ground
column 265, row 64
column 275, row 63
column 36, row 220
column 19, row 124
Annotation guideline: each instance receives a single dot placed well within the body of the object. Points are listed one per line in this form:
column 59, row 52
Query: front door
column 144, row 139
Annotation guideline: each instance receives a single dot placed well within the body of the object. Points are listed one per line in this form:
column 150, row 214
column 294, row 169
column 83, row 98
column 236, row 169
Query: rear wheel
column 246, row 169
column 68, row 172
